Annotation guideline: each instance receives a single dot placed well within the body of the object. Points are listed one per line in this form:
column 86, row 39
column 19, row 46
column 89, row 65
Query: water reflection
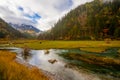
column 50, row 61
column 26, row 57
column 55, row 64
column 42, row 60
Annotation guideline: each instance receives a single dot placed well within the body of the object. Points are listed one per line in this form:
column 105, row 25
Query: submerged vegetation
column 94, row 49
column 106, row 62
column 11, row 70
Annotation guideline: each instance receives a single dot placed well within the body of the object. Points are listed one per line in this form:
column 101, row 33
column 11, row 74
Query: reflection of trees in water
column 26, row 53
column 26, row 57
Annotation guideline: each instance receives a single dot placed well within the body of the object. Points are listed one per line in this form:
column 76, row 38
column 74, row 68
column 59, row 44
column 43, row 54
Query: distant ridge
column 6, row 31
column 25, row 28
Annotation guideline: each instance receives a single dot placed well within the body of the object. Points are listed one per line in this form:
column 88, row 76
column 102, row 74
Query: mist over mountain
column 25, row 28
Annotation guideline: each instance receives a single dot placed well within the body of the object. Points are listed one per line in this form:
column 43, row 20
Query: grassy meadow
column 44, row 44
column 11, row 70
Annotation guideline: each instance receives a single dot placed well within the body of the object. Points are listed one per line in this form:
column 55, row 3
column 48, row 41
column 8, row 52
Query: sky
column 42, row 14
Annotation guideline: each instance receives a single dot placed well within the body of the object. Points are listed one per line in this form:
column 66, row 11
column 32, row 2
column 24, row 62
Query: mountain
column 6, row 31
column 95, row 20
column 25, row 28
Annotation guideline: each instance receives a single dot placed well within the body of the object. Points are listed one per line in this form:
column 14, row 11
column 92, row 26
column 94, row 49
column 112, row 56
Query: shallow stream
column 50, row 61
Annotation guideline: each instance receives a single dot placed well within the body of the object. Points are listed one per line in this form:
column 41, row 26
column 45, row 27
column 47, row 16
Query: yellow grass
column 11, row 70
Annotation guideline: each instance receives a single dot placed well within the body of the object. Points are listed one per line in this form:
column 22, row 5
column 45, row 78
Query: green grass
column 95, row 49
column 90, row 46
column 35, row 44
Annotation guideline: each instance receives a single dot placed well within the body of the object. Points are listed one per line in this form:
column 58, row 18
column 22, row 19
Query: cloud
column 5, row 11
column 20, row 8
column 10, row 16
column 41, row 13
column 33, row 17
column 66, row 4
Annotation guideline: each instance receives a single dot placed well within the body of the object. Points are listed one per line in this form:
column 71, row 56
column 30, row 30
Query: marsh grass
column 119, row 51
column 95, row 63
column 95, row 49
column 11, row 70
column 44, row 44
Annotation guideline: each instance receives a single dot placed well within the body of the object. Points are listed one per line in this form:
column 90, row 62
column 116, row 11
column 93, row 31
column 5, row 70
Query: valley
column 60, row 40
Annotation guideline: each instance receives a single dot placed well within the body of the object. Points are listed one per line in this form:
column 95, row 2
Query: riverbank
column 11, row 70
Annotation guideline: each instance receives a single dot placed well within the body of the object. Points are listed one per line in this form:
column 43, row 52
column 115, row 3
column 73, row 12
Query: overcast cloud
column 42, row 14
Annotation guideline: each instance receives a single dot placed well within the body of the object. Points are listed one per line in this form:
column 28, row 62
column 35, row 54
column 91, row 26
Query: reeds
column 11, row 70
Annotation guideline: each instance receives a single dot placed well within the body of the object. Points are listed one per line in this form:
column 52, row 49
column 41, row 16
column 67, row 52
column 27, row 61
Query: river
column 42, row 59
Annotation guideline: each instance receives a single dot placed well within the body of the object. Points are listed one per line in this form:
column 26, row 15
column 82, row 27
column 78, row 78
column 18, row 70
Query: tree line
column 95, row 20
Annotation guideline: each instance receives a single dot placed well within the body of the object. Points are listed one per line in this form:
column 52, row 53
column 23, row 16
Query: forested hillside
column 96, row 20
column 7, row 32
